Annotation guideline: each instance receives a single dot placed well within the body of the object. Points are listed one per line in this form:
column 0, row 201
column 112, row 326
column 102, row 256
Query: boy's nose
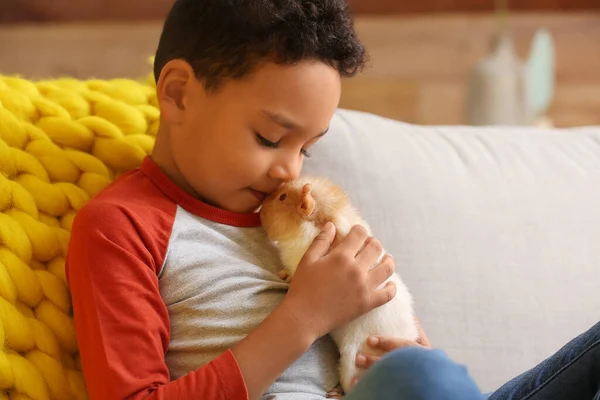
column 286, row 171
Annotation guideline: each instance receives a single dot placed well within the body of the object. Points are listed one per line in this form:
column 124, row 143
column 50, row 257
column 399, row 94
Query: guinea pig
column 292, row 217
column 295, row 214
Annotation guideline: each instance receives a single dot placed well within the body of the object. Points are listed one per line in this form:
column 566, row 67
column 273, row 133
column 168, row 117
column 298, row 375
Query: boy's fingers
column 423, row 339
column 370, row 252
column 321, row 244
column 383, row 295
column 389, row 343
column 354, row 241
column 382, row 271
column 364, row 360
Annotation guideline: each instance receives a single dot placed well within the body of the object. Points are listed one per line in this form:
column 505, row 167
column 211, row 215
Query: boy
column 173, row 281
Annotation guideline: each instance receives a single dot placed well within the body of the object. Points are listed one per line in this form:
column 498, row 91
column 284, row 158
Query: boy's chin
column 244, row 206
column 247, row 210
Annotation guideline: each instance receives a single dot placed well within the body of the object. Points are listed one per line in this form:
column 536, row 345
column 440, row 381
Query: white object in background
column 497, row 91
column 504, row 90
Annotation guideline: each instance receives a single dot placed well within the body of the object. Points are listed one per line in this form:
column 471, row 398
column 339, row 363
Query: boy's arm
column 122, row 323
column 268, row 350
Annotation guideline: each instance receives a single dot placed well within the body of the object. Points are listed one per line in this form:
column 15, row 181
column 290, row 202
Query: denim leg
column 572, row 373
column 415, row 373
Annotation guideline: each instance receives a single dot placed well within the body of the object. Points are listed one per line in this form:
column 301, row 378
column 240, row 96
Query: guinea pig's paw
column 336, row 393
column 283, row 275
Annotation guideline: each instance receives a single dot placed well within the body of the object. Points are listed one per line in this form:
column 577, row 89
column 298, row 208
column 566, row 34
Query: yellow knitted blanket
column 61, row 141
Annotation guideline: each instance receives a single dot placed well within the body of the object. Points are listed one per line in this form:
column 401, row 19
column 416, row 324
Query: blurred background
column 422, row 52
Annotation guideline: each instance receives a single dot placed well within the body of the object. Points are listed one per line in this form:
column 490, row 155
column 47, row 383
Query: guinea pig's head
column 284, row 211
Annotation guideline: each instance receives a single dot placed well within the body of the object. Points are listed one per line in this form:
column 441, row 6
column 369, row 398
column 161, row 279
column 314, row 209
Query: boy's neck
column 162, row 157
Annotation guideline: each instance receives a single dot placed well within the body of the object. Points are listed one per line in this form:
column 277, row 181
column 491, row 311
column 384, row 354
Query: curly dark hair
column 226, row 39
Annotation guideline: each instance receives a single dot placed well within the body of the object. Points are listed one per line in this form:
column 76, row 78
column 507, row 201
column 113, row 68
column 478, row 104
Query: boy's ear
column 307, row 202
column 173, row 89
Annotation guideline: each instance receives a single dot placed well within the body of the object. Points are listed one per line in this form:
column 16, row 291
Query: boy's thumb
column 322, row 243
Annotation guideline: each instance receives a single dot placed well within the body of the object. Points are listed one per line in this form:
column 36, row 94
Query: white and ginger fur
column 292, row 217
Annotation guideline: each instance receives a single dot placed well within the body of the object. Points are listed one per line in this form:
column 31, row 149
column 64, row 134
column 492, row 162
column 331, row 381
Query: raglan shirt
column 163, row 285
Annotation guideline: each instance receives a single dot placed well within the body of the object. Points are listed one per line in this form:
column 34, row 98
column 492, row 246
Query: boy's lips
column 263, row 194
column 258, row 194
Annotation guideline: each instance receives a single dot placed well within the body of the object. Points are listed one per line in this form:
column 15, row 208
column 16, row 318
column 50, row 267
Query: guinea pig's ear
column 307, row 202
column 306, row 189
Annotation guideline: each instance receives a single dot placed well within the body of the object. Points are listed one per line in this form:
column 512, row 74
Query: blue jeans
column 573, row 373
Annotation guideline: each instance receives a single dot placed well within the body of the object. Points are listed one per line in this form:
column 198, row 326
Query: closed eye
column 265, row 142
column 273, row 145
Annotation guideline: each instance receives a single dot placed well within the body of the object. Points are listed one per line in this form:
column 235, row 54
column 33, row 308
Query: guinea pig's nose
column 283, row 197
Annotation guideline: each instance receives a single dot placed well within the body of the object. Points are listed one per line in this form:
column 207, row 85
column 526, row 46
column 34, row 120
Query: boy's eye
column 272, row 145
column 265, row 142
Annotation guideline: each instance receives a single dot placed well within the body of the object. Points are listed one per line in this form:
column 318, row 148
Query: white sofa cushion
column 495, row 230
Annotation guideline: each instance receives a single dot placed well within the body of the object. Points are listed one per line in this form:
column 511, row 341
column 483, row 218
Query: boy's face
column 233, row 146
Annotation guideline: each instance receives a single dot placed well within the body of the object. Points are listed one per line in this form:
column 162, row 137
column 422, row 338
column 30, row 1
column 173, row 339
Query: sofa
column 495, row 230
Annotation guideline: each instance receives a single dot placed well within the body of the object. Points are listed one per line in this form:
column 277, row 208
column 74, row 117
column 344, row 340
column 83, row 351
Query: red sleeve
column 121, row 321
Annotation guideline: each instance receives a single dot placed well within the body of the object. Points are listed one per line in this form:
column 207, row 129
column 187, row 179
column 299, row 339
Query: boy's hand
column 386, row 344
column 330, row 289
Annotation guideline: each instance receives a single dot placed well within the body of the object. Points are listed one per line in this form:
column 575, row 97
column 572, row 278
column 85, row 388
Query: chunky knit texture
column 61, row 142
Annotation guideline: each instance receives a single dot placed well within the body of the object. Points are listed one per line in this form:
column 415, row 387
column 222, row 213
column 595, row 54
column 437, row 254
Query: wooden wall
column 443, row 6
column 422, row 50
column 12, row 11
column 417, row 73
column 420, row 66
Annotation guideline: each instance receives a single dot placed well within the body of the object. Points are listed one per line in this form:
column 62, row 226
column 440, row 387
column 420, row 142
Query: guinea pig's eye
column 282, row 197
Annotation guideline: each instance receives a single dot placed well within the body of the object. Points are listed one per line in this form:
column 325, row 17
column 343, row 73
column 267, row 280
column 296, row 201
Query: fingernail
column 353, row 382
column 327, row 227
column 361, row 360
column 373, row 341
